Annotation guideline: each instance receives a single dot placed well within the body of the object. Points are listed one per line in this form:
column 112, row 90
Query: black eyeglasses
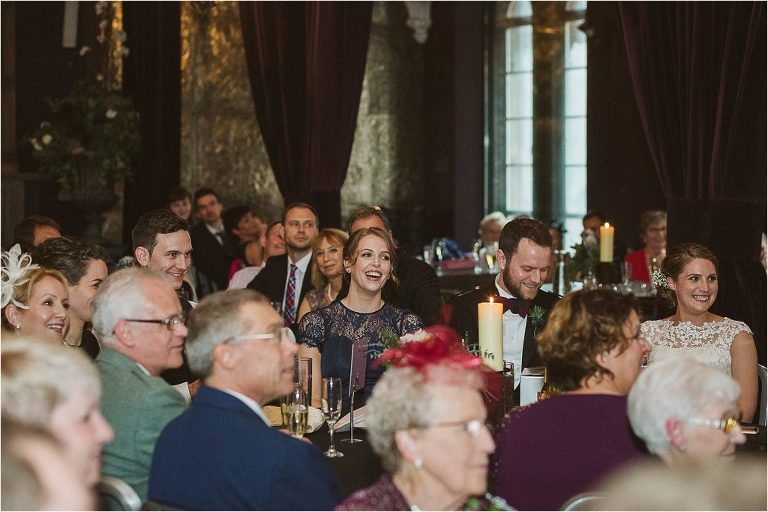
column 170, row 323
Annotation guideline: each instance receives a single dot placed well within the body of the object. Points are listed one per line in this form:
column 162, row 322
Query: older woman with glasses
column 560, row 446
column 686, row 411
column 426, row 419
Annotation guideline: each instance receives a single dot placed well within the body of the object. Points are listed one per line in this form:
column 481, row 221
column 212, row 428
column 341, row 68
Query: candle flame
column 490, row 299
column 607, row 225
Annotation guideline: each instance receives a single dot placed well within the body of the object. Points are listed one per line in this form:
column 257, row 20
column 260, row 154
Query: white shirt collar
column 502, row 292
column 250, row 402
column 141, row 367
column 303, row 263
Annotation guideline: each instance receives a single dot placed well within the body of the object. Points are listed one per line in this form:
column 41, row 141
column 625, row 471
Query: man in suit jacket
column 419, row 290
column 525, row 250
column 239, row 462
column 214, row 249
column 300, row 228
column 161, row 243
column 137, row 317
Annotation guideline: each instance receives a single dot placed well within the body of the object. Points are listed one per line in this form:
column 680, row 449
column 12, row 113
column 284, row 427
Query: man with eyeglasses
column 162, row 244
column 237, row 342
column 138, row 319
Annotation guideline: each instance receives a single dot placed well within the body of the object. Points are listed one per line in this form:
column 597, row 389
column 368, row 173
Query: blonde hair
column 23, row 291
column 334, row 236
column 38, row 376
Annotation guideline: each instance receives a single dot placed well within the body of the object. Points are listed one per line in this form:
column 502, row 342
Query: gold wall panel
column 222, row 146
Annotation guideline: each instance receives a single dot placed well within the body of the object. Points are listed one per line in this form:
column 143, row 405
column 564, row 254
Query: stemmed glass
column 297, row 412
column 330, row 402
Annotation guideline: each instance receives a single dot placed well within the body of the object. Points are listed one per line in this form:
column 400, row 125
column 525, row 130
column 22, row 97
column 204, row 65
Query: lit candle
column 606, row 243
column 489, row 322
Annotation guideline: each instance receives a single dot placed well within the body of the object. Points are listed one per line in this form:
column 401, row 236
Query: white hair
column 38, row 376
column 494, row 217
column 674, row 387
column 122, row 295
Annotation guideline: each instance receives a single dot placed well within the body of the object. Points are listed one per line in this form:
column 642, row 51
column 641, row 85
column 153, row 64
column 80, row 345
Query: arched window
column 537, row 112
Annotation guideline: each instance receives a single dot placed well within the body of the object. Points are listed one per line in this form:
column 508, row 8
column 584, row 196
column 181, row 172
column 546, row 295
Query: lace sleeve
column 736, row 327
column 312, row 331
column 410, row 323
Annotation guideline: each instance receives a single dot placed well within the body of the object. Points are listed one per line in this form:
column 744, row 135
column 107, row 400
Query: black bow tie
column 517, row 306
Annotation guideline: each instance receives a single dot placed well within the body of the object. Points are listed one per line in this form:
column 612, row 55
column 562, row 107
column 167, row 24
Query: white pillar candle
column 606, row 243
column 489, row 323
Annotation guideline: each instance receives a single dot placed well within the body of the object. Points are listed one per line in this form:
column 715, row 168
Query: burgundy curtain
column 699, row 75
column 306, row 62
column 152, row 77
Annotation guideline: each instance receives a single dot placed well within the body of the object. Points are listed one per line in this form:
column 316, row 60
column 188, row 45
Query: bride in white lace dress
column 697, row 333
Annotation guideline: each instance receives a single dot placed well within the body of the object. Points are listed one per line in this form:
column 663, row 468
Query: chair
column 584, row 501
column 763, row 378
column 117, row 495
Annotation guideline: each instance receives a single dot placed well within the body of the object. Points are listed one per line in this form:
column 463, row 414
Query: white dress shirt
column 512, row 333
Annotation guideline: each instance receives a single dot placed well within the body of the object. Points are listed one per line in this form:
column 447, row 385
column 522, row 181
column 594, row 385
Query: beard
column 516, row 289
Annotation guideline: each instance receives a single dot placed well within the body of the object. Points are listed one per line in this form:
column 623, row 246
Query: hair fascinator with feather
column 15, row 269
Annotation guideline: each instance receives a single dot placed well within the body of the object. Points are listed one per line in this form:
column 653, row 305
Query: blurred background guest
column 653, row 486
column 35, row 300
column 34, row 230
column 591, row 222
column 426, row 420
column 214, row 250
column 686, row 412
column 653, row 233
column 327, row 270
column 490, row 231
column 560, row 446
column 327, row 335
column 85, row 266
column 58, row 389
column 245, row 229
column 37, row 474
column 272, row 243
column 690, row 282
column 180, row 203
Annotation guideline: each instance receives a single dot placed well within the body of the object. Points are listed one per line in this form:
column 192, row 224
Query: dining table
column 359, row 467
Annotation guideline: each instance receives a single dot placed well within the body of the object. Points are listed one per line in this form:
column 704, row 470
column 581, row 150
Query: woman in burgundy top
column 563, row 445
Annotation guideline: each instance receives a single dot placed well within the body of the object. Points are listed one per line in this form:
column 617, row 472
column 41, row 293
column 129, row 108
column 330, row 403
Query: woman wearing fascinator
column 426, row 420
column 689, row 280
column 35, row 300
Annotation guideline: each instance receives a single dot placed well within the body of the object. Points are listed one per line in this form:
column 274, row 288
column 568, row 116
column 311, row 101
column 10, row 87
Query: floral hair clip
column 434, row 345
column 659, row 279
column 15, row 269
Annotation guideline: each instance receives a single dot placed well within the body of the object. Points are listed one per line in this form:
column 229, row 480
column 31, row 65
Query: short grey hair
column 403, row 398
column 495, row 218
column 649, row 218
column 38, row 376
column 216, row 318
column 674, row 387
column 122, row 295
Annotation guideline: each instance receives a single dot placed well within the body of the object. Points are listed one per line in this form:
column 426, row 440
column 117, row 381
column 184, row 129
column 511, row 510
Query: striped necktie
column 289, row 315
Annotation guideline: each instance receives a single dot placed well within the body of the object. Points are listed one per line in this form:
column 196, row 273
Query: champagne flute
column 331, row 405
column 297, row 412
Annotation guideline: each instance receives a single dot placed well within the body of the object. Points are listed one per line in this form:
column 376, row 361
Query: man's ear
column 501, row 260
column 124, row 333
column 223, row 356
column 142, row 256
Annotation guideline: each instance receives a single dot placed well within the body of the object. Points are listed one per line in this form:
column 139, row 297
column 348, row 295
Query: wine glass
column 330, row 402
column 296, row 412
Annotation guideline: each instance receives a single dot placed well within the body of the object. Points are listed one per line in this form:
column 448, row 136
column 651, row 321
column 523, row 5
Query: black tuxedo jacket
column 210, row 257
column 464, row 319
column 273, row 277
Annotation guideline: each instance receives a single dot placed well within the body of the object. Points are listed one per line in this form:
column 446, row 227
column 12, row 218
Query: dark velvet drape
column 699, row 74
column 152, row 77
column 306, row 62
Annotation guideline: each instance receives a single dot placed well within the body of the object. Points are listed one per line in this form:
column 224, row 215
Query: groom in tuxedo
column 525, row 250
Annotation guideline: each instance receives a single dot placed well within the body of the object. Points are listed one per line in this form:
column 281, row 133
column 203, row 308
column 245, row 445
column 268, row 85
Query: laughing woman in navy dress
column 327, row 334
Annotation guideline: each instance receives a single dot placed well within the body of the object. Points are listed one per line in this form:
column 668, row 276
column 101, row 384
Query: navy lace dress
column 333, row 329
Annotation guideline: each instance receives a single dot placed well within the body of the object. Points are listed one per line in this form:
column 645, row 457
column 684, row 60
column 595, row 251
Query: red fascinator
column 435, row 345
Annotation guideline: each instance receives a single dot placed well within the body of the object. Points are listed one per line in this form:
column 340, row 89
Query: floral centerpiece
column 94, row 128
column 585, row 258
